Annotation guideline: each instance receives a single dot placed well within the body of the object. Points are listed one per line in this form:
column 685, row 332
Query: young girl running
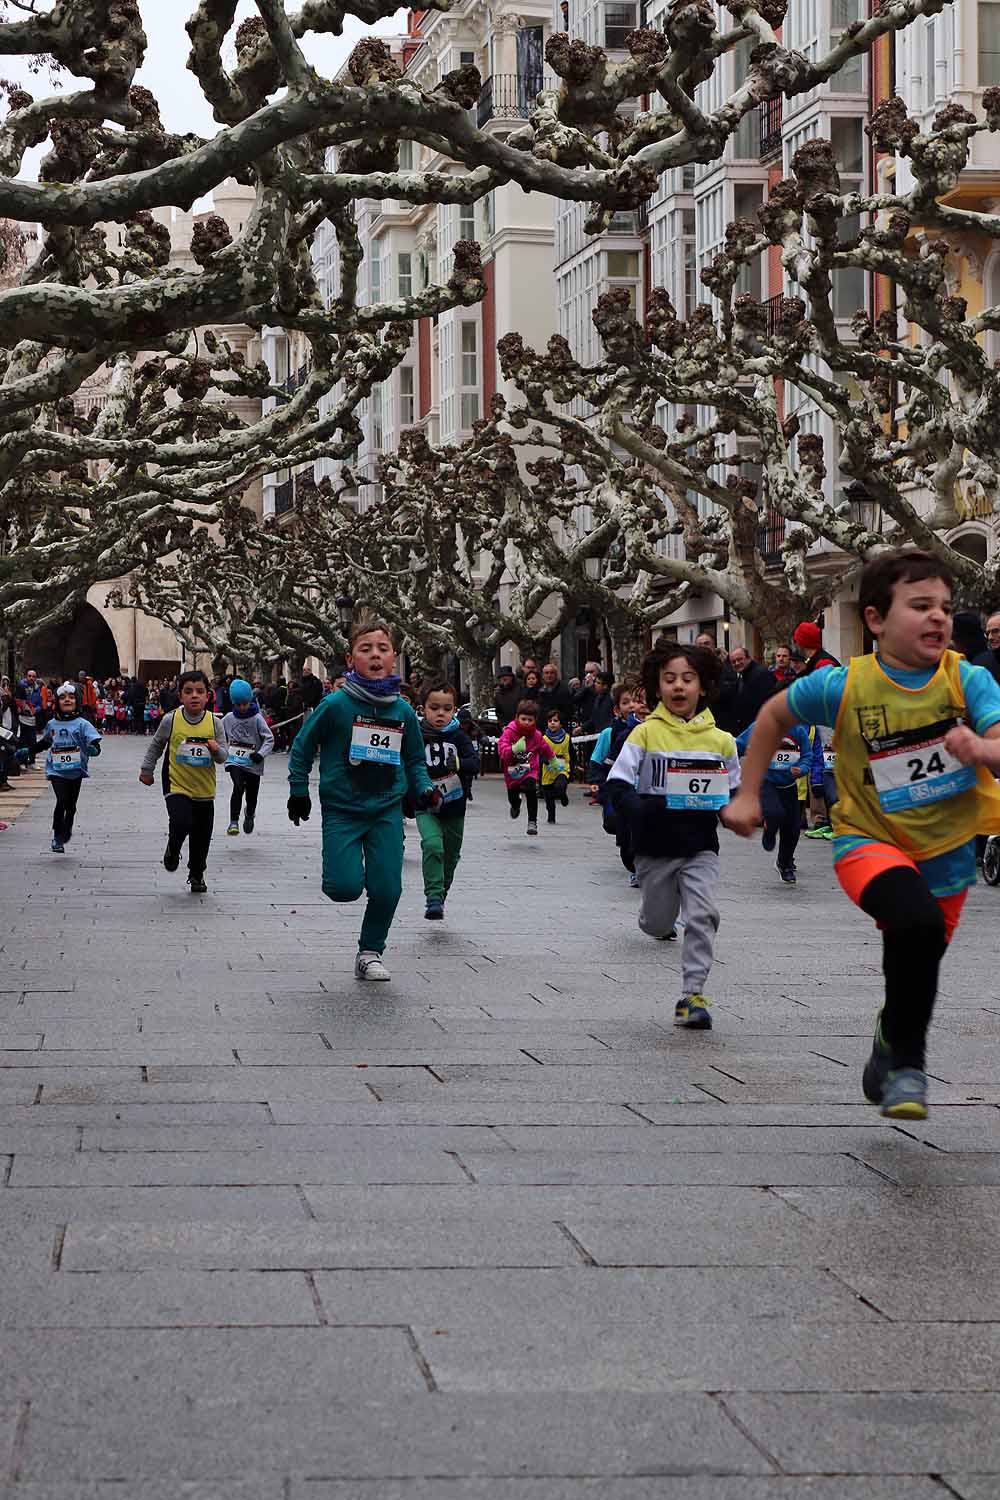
column 521, row 751
column 371, row 753
column 73, row 742
column 671, row 784
column 555, row 774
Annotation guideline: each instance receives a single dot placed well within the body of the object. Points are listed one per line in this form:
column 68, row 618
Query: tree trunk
column 627, row 648
column 482, row 683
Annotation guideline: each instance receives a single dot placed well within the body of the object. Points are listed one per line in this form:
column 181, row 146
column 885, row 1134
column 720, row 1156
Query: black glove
column 429, row 801
column 256, row 757
column 299, row 808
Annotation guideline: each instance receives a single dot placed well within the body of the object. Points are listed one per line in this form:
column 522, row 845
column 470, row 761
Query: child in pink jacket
column 522, row 749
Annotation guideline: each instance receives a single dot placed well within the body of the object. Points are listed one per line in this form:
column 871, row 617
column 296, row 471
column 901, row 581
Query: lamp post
column 345, row 612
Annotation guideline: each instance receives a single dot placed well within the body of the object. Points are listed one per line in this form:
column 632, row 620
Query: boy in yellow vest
column 912, row 793
column 195, row 742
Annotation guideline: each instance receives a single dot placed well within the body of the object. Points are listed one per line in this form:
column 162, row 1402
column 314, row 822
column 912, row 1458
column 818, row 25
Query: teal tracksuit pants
column 363, row 851
column 440, row 851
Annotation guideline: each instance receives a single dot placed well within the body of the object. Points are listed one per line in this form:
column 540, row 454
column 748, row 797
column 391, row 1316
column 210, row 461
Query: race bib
column 914, row 768
column 829, row 760
column 695, row 785
column 67, row 760
column 194, row 753
column 239, row 755
column 377, row 741
column 558, row 765
column 518, row 769
column 785, row 759
column 450, row 788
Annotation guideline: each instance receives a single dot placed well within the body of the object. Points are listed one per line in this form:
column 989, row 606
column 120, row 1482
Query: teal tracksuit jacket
column 361, row 805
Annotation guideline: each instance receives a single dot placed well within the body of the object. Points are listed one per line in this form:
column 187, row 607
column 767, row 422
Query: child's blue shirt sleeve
column 816, row 699
column 599, row 754
column 982, row 696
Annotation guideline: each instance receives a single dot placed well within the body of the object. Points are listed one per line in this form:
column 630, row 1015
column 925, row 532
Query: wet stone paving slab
column 494, row 1231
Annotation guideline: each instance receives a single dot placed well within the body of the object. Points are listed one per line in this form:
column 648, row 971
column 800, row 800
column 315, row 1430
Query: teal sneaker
column 692, row 1013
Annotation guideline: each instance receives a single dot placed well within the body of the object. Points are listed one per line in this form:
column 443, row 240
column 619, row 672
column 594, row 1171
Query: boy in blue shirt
column 779, row 796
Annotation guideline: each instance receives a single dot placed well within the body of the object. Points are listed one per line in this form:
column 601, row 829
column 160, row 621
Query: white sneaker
column 370, row 966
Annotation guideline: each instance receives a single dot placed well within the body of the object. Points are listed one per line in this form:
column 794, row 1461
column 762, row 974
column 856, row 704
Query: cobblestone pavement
column 494, row 1231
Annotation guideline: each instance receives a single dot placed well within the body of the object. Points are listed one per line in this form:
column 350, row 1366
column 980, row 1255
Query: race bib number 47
column 913, row 768
column 377, row 741
column 239, row 755
column 695, row 785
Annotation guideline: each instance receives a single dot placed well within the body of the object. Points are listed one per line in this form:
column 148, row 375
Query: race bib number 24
column 913, row 768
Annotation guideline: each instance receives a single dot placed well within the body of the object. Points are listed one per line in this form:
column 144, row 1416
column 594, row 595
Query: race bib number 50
column 695, row 785
column 913, row 768
column 378, row 741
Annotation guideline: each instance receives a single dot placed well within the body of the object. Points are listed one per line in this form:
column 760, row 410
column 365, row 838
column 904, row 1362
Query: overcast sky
column 164, row 72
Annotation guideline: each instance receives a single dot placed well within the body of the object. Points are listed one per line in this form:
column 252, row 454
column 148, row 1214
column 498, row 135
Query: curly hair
column 699, row 658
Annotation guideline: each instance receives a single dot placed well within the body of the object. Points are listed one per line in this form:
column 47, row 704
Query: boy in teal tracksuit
column 371, row 754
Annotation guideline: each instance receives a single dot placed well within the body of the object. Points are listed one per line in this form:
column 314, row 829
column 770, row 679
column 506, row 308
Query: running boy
column 671, row 784
column 452, row 761
column 521, row 751
column 555, row 773
column 195, row 742
column 371, row 753
column 73, row 742
column 780, row 796
column 249, row 739
column 912, row 789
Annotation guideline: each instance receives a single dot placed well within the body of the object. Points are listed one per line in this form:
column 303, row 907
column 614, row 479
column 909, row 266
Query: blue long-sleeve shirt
column 776, row 774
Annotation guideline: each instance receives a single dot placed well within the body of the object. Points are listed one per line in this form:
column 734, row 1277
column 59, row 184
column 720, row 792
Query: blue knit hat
column 240, row 692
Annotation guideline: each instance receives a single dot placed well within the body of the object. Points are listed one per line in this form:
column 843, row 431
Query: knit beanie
column 807, row 636
column 240, row 692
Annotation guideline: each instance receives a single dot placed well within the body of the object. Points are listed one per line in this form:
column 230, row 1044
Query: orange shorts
column 856, row 871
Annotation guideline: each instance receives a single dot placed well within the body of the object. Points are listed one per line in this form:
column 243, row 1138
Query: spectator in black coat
column 554, row 694
column 990, row 659
column 508, row 695
column 602, row 709
column 311, row 688
column 754, row 685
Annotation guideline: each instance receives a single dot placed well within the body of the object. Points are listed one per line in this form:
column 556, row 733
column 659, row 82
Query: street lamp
column 345, row 612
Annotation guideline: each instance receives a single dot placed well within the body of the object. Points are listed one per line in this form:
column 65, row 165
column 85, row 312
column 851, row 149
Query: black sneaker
column 877, row 1068
column 787, row 874
column 197, row 884
column 171, row 858
column 551, row 818
column 515, row 809
column 564, row 799
column 248, row 824
column 768, row 840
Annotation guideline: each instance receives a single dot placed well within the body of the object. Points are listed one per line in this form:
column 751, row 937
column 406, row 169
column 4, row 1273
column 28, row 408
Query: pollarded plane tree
column 81, row 501
column 914, row 397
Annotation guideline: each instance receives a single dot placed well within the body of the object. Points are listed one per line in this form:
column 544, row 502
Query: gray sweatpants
column 665, row 885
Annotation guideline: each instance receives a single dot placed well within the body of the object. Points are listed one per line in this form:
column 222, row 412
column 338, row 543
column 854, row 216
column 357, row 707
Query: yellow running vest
column 192, row 769
column 896, row 783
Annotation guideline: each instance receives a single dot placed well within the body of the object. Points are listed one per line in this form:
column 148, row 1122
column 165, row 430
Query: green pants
column 441, row 850
column 363, row 851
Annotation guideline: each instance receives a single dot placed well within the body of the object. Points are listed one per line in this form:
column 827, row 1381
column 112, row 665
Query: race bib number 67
column 913, row 768
column 695, row 785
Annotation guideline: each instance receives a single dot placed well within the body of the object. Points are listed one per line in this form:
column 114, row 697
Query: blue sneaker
column 633, row 881
column 904, row 1096
column 434, row 911
column 692, row 1013
column 787, row 875
column 57, row 847
column 768, row 840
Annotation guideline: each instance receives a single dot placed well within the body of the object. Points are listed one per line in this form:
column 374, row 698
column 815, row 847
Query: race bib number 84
column 377, row 741
column 913, row 768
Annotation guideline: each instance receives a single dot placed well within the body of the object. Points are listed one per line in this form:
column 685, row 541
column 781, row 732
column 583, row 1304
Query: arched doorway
column 85, row 645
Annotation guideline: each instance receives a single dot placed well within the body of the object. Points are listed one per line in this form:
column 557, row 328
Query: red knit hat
column 807, row 636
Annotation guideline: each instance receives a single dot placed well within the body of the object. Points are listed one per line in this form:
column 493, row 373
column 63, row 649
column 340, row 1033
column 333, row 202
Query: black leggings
column 913, row 944
column 530, row 789
column 194, row 821
column 244, row 783
column 67, row 790
column 553, row 793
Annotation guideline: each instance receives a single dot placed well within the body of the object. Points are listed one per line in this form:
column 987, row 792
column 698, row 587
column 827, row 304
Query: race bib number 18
column 696, row 785
column 377, row 741
column 194, row 753
column 913, row 768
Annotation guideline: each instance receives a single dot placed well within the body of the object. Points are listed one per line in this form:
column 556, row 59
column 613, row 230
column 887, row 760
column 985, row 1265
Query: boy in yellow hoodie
column 671, row 785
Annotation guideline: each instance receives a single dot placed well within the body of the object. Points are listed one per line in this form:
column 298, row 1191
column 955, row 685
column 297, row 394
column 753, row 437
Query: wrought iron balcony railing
column 510, row 96
column 770, row 128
